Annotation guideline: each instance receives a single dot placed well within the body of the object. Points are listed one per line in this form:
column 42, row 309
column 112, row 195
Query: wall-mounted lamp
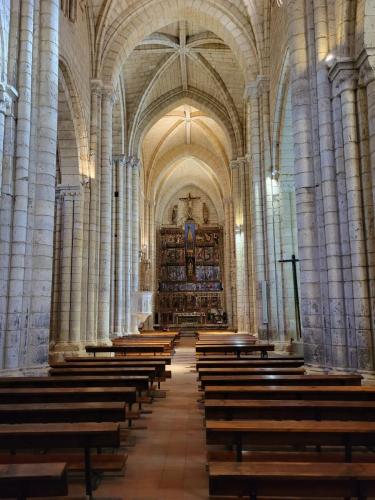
column 330, row 60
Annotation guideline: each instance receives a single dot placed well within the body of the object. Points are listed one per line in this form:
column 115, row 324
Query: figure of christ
column 189, row 205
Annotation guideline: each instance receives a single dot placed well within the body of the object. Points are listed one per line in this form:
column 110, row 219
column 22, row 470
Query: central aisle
column 168, row 461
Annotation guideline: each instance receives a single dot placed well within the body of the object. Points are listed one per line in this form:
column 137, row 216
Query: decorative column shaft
column 105, row 217
column 311, row 307
column 37, row 344
column 92, row 285
column 128, row 244
column 135, row 235
column 345, row 81
column 15, row 318
column 120, row 166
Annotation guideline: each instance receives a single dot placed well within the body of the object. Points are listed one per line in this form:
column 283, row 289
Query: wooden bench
column 62, row 412
column 247, row 362
column 124, row 373
column 76, row 381
column 253, row 380
column 238, row 350
column 127, row 349
column 227, row 409
column 238, row 433
column 292, row 480
column 23, row 481
column 37, row 395
column 129, row 359
column 159, row 366
column 330, row 393
column 62, row 436
column 204, row 372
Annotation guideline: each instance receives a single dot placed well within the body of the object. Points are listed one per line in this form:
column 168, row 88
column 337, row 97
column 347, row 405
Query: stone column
column 92, row 285
column 105, row 217
column 227, row 262
column 311, row 307
column 135, row 234
column 66, row 197
column 336, row 302
column 128, row 243
column 120, row 166
column 233, row 259
column 257, row 229
column 345, row 82
column 36, row 346
column 77, row 263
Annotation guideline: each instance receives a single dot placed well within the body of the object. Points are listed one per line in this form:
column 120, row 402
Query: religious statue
column 206, row 213
column 189, row 206
column 174, row 214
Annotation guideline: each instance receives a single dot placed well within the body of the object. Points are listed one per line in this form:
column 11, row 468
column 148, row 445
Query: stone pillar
column 335, row 345
column 92, row 285
column 345, row 81
column 36, row 346
column 135, row 234
column 257, row 229
column 105, row 217
column 128, row 243
column 120, row 166
column 227, row 262
column 233, row 260
column 311, row 307
column 77, row 263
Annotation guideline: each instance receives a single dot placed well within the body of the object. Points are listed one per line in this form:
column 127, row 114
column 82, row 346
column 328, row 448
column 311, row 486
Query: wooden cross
column 189, row 205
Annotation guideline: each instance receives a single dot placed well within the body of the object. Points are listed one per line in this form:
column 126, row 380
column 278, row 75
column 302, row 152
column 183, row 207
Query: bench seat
column 75, row 462
column 27, row 480
column 284, row 480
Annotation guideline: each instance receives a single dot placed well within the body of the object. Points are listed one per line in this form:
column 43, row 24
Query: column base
column 59, row 350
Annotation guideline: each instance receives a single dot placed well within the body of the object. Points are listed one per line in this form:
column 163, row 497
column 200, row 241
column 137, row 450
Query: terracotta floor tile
column 169, row 457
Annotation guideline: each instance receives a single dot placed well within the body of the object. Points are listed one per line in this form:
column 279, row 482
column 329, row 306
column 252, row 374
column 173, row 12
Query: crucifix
column 294, row 261
column 189, row 206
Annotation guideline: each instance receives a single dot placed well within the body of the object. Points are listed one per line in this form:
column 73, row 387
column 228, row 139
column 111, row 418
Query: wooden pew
column 124, row 372
column 292, row 480
column 237, row 349
column 76, row 381
column 62, row 436
column 227, row 409
column 127, row 349
column 250, row 363
column 62, row 412
column 219, row 372
column 227, row 357
column 254, row 380
column 115, row 359
column 159, row 366
column 266, row 433
column 334, row 393
column 38, row 395
column 24, row 481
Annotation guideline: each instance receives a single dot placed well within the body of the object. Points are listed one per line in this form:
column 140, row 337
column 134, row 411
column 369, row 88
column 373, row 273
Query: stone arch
column 72, row 131
column 219, row 172
column 195, row 98
column 118, row 37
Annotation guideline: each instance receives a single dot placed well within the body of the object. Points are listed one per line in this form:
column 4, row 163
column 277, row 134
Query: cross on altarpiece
column 189, row 205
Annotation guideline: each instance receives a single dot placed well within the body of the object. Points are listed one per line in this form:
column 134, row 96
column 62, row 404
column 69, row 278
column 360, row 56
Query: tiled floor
column 168, row 460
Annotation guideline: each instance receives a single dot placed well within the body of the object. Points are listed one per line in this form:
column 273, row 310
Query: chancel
column 187, row 264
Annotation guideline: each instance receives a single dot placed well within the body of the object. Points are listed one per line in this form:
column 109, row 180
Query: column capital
column 238, row 163
column 8, row 96
column 343, row 75
column 257, row 87
column 69, row 192
column 133, row 162
column 121, row 159
column 366, row 66
column 96, row 87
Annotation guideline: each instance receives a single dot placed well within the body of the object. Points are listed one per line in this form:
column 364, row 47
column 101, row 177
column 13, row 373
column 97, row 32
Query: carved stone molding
column 366, row 67
column 257, row 87
column 343, row 75
column 8, row 95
